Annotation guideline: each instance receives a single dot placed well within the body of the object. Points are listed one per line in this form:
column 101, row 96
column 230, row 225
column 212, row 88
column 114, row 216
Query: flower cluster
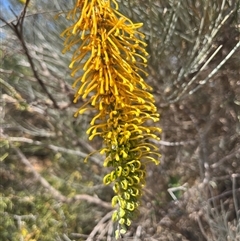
column 109, row 60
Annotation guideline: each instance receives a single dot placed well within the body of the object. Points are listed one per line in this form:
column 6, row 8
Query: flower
column 109, row 60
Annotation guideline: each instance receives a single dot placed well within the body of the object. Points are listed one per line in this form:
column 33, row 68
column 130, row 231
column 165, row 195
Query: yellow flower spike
column 111, row 58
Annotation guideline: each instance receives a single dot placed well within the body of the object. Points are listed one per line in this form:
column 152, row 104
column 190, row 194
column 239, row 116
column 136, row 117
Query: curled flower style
column 109, row 63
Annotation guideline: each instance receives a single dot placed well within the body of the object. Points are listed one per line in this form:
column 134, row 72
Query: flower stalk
column 108, row 65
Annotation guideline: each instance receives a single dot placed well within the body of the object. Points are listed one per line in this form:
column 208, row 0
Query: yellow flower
column 108, row 64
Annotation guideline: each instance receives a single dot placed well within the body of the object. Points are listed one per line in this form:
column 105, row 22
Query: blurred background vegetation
column 49, row 193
